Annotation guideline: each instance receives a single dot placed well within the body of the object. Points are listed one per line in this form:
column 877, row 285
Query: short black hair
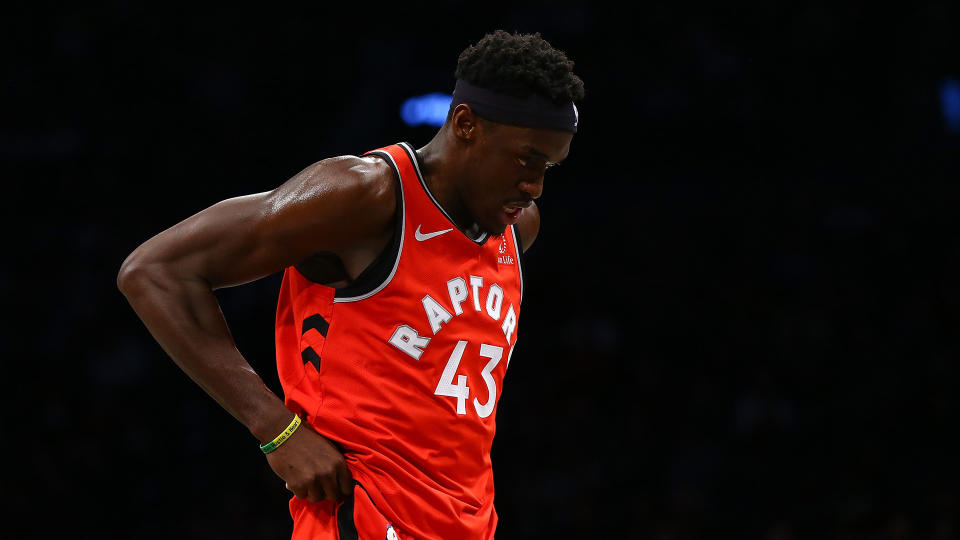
column 520, row 65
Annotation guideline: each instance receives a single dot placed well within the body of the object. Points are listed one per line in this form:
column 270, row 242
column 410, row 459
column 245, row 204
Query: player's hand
column 312, row 467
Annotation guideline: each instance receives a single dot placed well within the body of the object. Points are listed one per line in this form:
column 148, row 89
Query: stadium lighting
column 950, row 103
column 430, row 109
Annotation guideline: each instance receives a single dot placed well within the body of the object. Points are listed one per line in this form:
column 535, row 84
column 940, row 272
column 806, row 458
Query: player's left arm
column 529, row 226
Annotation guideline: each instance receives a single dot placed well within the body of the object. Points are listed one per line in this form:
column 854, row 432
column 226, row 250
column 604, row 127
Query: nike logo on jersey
column 426, row 236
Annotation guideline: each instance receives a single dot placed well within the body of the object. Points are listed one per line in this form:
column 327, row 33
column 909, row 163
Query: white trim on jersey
column 403, row 228
column 416, row 164
column 517, row 248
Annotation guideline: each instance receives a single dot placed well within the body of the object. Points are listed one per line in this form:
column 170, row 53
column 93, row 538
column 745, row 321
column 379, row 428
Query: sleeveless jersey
column 405, row 373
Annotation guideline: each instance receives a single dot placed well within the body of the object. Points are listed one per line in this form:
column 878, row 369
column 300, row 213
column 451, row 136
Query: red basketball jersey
column 405, row 373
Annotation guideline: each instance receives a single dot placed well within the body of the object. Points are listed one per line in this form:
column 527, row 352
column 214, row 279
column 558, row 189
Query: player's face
column 509, row 172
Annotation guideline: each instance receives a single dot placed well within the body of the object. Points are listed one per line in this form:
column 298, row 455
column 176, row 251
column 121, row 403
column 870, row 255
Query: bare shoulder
column 529, row 226
column 344, row 198
column 345, row 179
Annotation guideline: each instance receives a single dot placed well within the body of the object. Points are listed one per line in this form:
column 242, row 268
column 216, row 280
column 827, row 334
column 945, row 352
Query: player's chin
column 493, row 229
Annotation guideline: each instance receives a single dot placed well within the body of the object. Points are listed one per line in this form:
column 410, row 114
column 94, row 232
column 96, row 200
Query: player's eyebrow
column 531, row 150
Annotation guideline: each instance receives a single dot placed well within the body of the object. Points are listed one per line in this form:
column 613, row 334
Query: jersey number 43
column 460, row 390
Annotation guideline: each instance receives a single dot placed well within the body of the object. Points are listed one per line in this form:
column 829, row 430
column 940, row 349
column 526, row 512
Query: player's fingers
column 330, row 488
column 299, row 493
column 315, row 493
column 345, row 479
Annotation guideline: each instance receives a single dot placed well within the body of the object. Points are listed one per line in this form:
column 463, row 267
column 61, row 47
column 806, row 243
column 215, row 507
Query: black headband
column 533, row 111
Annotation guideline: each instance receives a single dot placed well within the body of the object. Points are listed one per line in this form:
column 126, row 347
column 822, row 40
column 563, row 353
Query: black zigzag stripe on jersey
column 318, row 323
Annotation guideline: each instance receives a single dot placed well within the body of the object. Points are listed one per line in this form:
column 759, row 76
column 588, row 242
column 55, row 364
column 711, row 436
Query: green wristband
column 274, row 444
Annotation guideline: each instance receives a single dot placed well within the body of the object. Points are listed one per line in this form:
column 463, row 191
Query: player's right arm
column 341, row 205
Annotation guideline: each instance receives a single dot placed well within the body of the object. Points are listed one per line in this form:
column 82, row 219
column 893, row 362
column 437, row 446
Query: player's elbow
column 134, row 273
column 130, row 272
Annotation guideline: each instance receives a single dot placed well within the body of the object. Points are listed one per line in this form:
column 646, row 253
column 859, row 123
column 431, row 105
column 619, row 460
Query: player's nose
column 533, row 187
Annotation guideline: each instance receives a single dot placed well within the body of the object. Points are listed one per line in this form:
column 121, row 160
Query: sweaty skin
column 343, row 209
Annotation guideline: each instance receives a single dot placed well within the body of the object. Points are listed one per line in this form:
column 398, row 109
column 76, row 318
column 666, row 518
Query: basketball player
column 398, row 310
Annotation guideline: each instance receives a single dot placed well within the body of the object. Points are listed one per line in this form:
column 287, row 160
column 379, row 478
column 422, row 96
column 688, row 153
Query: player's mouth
column 512, row 211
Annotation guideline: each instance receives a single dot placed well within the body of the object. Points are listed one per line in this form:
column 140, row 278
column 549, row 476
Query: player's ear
column 463, row 122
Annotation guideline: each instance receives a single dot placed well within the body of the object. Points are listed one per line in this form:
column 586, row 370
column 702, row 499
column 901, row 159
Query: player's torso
column 406, row 373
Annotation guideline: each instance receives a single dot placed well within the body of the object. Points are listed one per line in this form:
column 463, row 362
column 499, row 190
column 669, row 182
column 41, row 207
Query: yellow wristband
column 274, row 444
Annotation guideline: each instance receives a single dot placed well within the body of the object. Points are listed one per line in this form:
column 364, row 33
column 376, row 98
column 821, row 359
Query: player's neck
column 436, row 169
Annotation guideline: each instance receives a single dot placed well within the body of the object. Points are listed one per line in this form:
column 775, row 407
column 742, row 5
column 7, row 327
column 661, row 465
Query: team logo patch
column 502, row 258
column 392, row 534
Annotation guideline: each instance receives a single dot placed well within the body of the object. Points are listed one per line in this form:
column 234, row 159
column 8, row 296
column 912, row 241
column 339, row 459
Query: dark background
column 741, row 310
